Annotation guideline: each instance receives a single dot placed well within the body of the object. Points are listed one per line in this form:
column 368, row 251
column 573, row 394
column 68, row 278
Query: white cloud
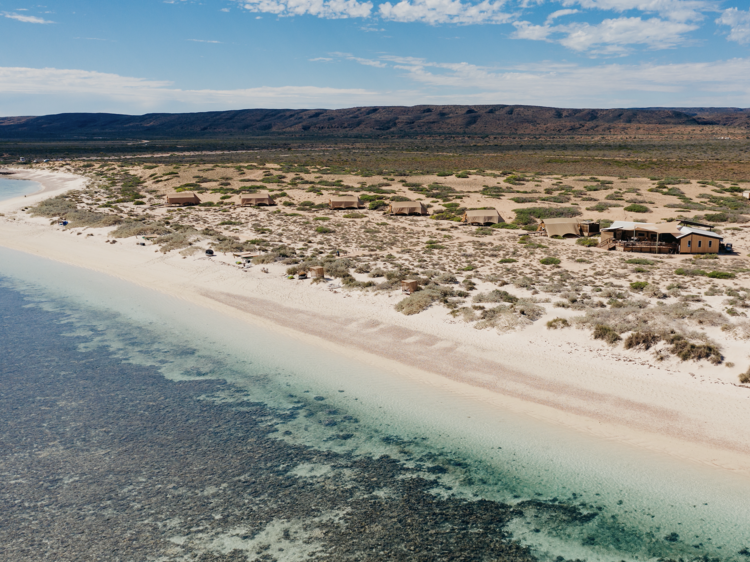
column 330, row 9
column 605, row 85
column 29, row 89
column 558, row 14
column 445, row 11
column 675, row 10
column 360, row 60
column 25, row 19
column 739, row 23
column 610, row 37
column 321, row 59
column 205, row 41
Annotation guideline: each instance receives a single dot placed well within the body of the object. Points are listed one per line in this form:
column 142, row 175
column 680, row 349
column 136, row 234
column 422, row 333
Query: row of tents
column 483, row 216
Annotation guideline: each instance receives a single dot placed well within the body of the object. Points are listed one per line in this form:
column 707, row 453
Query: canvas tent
column 256, row 199
column 482, row 216
column 317, row 272
column 561, row 227
column 746, row 194
column 183, row 198
column 407, row 208
column 408, row 286
column 345, row 202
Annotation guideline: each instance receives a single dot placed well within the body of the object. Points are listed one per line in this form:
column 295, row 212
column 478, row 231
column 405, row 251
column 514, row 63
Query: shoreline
column 578, row 384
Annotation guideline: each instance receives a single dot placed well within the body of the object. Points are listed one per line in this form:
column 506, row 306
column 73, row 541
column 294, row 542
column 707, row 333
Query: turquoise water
column 17, row 188
column 562, row 495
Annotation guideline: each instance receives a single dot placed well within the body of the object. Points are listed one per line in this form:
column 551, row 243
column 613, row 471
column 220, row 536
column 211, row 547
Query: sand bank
column 563, row 378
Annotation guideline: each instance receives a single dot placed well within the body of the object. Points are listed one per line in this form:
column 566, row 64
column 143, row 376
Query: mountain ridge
column 365, row 121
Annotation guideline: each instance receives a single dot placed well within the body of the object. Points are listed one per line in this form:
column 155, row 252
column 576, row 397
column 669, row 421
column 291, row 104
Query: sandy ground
column 691, row 411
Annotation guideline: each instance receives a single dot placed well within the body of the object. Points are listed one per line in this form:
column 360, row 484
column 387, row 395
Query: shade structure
column 256, row 199
column 345, row 202
column 407, row 208
column 408, row 286
column 562, row 227
column 183, row 198
column 483, row 216
column 317, row 272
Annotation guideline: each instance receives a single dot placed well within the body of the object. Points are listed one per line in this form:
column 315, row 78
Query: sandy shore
column 688, row 411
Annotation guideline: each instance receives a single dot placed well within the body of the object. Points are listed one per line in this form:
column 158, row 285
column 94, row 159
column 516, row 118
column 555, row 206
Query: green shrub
column 507, row 260
column 354, row 216
column 377, row 204
column 323, row 230
column 690, row 272
column 588, row 242
column 322, row 218
column 417, row 302
column 558, row 323
column 721, row 275
column 527, row 216
column 549, row 260
column 640, row 261
column 638, row 285
column 604, row 332
column 637, row 208
column 745, row 377
column 495, row 295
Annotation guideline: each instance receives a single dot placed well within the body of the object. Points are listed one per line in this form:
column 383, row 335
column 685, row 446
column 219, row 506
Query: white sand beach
column 691, row 411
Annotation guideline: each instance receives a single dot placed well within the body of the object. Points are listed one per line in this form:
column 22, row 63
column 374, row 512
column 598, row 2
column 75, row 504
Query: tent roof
column 626, row 225
column 345, row 198
column 483, row 213
column 561, row 227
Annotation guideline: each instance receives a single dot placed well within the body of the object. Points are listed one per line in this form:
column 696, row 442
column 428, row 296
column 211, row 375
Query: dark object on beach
column 63, row 223
column 209, row 252
column 141, row 243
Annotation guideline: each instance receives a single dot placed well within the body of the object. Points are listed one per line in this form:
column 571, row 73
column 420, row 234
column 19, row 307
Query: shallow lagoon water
column 557, row 492
column 10, row 189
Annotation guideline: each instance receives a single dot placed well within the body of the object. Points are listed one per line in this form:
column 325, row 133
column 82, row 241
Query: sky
column 149, row 56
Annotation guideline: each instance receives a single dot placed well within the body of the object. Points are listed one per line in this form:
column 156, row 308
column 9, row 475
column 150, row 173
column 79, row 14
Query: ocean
column 17, row 188
column 138, row 426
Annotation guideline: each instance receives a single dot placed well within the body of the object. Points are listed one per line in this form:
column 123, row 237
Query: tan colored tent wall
column 483, row 216
column 562, row 227
column 317, row 272
column 256, row 199
column 746, row 194
column 407, row 208
column 187, row 198
column 695, row 240
column 347, row 202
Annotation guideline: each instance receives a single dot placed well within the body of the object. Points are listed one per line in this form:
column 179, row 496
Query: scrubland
column 502, row 277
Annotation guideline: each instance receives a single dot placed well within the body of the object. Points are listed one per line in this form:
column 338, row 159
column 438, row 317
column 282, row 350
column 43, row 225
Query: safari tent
column 746, row 194
column 483, row 216
column 407, row 208
column 317, row 272
column 561, row 227
column 345, row 202
column 256, row 199
column 183, row 198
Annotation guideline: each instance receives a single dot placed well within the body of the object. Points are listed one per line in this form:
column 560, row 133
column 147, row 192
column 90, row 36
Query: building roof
column 686, row 230
column 626, row 225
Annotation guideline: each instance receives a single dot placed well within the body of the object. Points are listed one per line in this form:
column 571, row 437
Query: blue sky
column 146, row 56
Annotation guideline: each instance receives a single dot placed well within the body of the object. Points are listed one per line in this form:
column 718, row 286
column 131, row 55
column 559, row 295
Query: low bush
column 354, row 216
column 507, row 260
column 378, row 204
column 588, row 242
column 495, row 295
column 323, row 230
column 638, row 285
column 640, row 261
column 686, row 350
column 558, row 323
column 604, row 332
column 745, row 377
column 417, row 302
column 138, row 228
column 549, row 260
column 637, row 208
column 721, row 275
column 643, row 340
column 690, row 272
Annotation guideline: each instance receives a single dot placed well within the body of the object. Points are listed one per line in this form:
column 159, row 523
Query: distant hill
column 362, row 121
